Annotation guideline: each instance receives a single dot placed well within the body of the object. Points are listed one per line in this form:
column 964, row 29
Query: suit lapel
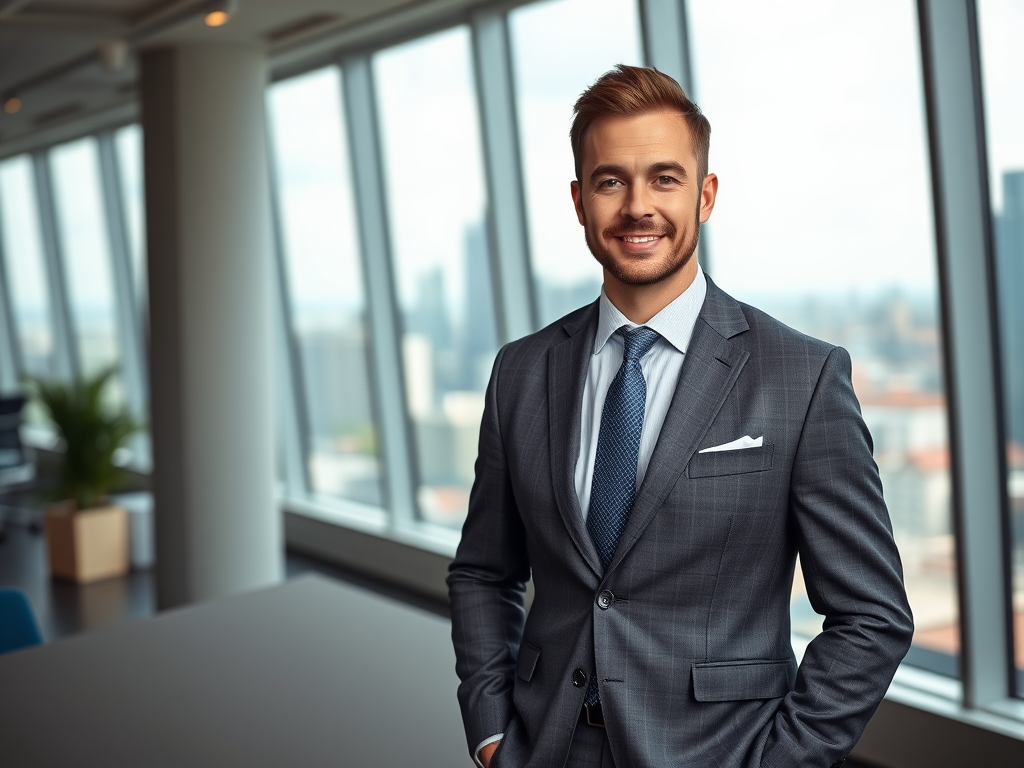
column 568, row 363
column 709, row 372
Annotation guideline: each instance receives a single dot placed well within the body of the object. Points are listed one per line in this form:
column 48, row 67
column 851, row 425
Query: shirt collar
column 674, row 323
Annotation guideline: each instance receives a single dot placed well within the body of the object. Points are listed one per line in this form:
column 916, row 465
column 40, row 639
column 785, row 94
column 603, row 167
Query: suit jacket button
column 579, row 678
column 605, row 600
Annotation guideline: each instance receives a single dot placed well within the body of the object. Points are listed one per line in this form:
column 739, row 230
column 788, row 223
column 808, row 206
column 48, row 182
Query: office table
column 313, row 672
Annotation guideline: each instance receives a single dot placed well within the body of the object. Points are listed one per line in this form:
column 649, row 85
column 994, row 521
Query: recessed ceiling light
column 220, row 13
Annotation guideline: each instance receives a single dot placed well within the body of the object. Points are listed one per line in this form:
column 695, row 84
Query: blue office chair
column 18, row 627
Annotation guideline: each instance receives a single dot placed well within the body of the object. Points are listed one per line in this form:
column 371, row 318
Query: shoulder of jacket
column 783, row 337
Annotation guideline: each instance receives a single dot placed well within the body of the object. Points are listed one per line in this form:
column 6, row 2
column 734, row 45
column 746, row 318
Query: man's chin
column 640, row 273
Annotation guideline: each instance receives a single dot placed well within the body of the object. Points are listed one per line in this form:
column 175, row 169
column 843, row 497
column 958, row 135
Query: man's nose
column 638, row 202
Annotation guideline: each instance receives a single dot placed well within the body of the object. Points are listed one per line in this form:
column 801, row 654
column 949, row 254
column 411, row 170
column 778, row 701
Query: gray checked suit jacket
column 691, row 642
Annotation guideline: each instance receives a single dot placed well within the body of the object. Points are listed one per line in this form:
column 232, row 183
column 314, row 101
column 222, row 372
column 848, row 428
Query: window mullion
column 381, row 304
column 133, row 366
column 296, row 441
column 65, row 352
column 966, row 273
column 10, row 359
column 666, row 43
column 510, row 257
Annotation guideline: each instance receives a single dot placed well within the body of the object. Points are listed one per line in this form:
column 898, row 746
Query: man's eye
column 666, row 180
column 610, row 183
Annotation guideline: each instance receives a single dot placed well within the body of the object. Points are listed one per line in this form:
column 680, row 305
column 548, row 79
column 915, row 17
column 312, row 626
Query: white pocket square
column 744, row 442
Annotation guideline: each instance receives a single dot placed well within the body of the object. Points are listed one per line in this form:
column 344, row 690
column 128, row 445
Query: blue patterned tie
column 618, row 448
column 618, row 445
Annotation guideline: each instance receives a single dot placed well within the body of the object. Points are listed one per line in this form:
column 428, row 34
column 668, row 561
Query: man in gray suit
column 656, row 461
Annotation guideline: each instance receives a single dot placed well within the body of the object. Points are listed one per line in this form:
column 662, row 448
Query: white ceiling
column 48, row 47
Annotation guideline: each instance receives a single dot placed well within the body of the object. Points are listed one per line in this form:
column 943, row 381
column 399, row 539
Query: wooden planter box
column 87, row 545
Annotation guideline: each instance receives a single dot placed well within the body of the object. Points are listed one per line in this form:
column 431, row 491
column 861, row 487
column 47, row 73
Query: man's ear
column 577, row 201
column 708, row 192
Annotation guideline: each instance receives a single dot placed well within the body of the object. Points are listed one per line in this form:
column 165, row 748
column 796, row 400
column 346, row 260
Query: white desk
column 310, row 673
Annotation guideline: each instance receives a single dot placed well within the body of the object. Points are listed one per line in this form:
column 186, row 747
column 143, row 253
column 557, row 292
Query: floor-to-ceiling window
column 434, row 180
column 25, row 262
column 324, row 286
column 84, row 245
column 824, row 220
column 1001, row 28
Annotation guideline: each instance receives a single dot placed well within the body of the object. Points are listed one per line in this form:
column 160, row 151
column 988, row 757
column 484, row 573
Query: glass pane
column 325, row 285
column 551, row 70
column 436, row 206
column 26, row 268
column 824, row 220
column 1001, row 28
column 128, row 141
column 81, row 223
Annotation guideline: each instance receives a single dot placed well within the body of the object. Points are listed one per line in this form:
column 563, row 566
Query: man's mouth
column 641, row 239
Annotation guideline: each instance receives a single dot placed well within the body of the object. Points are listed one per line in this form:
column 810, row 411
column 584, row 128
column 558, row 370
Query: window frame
column 949, row 49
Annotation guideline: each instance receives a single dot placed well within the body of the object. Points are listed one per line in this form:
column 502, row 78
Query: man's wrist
column 485, row 749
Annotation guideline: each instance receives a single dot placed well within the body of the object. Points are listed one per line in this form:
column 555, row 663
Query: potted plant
column 86, row 535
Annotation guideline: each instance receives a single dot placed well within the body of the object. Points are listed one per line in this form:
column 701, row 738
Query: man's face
column 639, row 199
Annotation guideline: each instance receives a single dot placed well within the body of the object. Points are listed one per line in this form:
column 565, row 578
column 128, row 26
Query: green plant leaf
column 91, row 430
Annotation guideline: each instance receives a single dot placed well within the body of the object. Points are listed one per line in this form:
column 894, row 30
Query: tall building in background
column 561, row 299
column 1009, row 229
column 479, row 333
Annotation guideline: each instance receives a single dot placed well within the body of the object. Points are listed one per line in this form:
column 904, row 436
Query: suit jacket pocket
column 740, row 680
column 737, row 462
column 527, row 662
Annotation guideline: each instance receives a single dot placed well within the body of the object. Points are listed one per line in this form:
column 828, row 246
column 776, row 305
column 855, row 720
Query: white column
column 209, row 247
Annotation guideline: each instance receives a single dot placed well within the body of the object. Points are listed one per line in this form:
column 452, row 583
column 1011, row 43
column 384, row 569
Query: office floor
column 64, row 609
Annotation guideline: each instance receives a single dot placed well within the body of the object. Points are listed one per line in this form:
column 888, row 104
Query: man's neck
column 639, row 303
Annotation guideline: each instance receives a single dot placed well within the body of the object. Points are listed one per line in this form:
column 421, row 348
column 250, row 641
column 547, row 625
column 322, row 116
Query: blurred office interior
column 302, row 230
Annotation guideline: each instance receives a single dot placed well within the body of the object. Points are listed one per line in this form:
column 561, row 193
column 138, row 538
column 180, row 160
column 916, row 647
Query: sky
column 309, row 149
column 818, row 141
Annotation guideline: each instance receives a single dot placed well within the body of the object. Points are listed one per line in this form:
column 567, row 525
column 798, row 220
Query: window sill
column 360, row 537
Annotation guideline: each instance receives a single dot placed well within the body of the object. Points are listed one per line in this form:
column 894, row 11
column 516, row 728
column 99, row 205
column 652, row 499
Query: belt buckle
column 598, row 716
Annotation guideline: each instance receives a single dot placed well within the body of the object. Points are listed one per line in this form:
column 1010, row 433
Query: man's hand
column 487, row 752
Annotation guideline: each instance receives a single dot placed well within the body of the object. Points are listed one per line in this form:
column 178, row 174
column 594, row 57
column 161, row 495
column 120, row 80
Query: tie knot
column 637, row 342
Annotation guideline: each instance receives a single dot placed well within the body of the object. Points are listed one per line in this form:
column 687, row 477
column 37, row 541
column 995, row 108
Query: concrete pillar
column 209, row 246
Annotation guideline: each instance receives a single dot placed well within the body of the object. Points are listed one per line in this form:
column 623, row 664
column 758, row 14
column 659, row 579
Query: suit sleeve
column 486, row 583
column 854, row 579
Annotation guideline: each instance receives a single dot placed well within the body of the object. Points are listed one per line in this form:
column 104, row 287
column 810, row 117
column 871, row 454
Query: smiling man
column 656, row 461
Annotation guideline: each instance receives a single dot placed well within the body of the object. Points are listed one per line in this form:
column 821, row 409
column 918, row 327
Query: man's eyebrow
column 669, row 165
column 618, row 170
column 608, row 170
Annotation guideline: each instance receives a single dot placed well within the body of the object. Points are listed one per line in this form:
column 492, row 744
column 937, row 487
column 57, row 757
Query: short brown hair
column 627, row 91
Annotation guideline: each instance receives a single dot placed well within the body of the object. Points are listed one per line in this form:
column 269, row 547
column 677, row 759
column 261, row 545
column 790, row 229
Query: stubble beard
column 639, row 272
